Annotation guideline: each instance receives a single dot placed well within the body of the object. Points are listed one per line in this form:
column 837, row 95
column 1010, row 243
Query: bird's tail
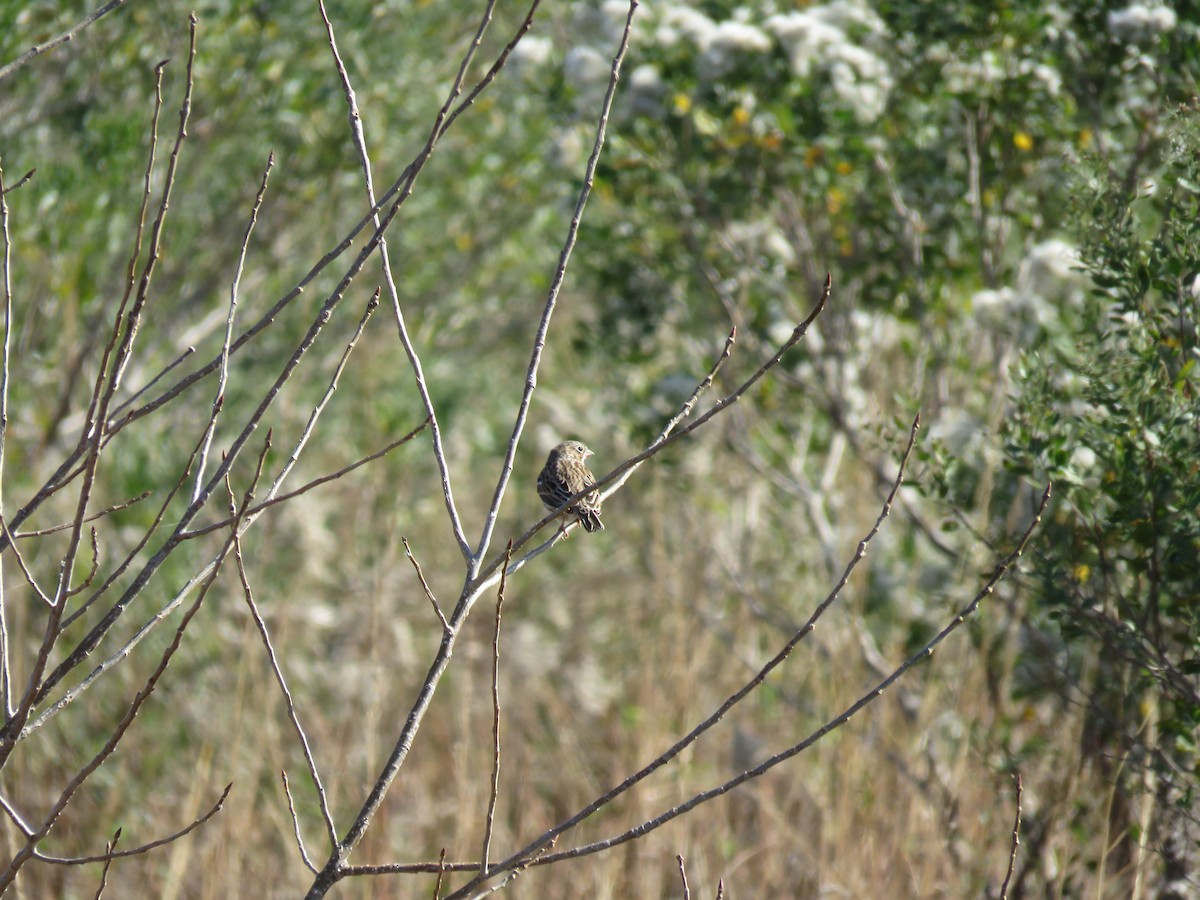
column 590, row 520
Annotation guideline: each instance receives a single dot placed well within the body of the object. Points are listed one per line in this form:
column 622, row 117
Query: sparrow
column 565, row 474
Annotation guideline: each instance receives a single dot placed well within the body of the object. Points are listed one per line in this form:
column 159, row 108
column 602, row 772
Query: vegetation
column 844, row 213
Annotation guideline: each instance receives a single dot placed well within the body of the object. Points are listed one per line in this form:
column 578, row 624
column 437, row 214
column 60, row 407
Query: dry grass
column 610, row 647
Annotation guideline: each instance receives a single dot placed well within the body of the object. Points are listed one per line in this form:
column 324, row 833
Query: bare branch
column 108, row 848
column 494, row 788
column 293, row 716
column 20, row 182
column 316, row 482
column 21, row 824
column 287, row 790
column 334, row 867
column 437, row 888
column 6, row 297
column 556, row 283
column 412, row 868
column 42, row 532
column 83, row 585
column 1016, row 840
column 687, row 893
column 511, row 876
column 132, row 398
column 92, row 639
column 29, row 579
column 68, row 35
column 136, row 549
column 359, row 138
column 107, row 381
column 223, row 373
column 403, row 183
column 437, row 610
column 111, row 853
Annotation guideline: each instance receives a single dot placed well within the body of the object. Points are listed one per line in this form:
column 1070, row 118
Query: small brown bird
column 565, row 474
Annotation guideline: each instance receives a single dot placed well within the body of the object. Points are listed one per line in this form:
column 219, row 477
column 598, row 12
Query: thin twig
column 688, row 405
column 414, row 868
column 28, row 578
column 556, row 283
column 129, row 401
column 87, row 580
column 109, row 847
column 20, row 182
column 437, row 610
column 511, row 876
column 136, row 549
column 359, row 138
column 1016, row 840
column 111, row 853
column 21, row 824
column 287, row 790
column 124, row 353
column 99, row 630
column 687, row 893
column 437, row 888
column 68, row 35
column 494, row 789
column 273, row 660
column 42, row 532
column 223, row 371
column 67, row 469
column 316, row 482
column 6, row 291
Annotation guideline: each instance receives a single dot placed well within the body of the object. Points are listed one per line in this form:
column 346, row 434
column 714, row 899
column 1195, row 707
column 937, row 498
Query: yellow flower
column 741, row 116
column 844, row 168
column 1082, row 573
column 682, row 104
column 1022, row 141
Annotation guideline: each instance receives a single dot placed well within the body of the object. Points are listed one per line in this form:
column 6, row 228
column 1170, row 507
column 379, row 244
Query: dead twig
column 112, row 853
column 437, row 610
column 494, row 787
column 223, row 370
column 289, row 703
column 1016, row 840
column 68, row 35
column 287, row 790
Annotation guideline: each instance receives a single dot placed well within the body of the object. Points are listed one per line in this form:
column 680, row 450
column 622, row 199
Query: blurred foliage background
column 1006, row 196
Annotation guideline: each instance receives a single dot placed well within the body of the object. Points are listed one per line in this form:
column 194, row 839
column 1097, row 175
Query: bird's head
column 578, row 449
